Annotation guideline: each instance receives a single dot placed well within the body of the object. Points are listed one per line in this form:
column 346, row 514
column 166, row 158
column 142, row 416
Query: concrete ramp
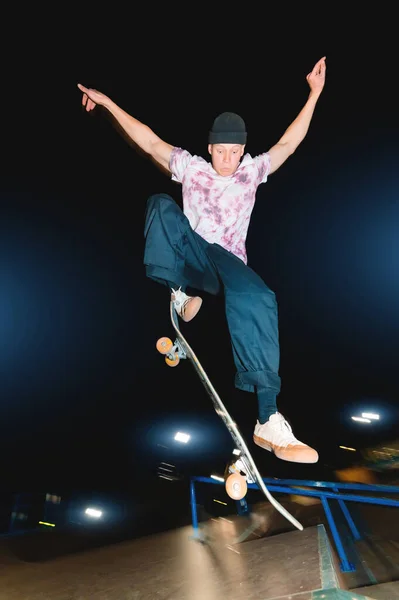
column 382, row 591
column 294, row 565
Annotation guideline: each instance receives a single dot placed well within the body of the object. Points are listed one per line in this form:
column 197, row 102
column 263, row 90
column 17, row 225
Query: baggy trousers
column 175, row 253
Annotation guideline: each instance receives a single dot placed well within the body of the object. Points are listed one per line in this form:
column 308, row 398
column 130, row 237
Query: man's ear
column 210, row 148
column 242, row 149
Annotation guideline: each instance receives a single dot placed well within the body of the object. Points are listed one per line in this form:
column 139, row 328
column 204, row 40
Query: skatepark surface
column 254, row 557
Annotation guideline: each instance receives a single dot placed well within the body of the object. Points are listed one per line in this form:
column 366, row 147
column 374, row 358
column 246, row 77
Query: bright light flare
column 93, row 512
column 372, row 416
column 47, row 524
column 361, row 419
column 182, row 437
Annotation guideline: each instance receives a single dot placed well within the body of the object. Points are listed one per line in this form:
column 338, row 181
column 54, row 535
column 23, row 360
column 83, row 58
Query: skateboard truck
column 238, row 478
column 173, row 351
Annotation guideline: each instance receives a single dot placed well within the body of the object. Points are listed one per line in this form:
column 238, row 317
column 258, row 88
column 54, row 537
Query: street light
column 367, row 417
column 372, row 416
column 93, row 512
column 361, row 419
column 182, row 437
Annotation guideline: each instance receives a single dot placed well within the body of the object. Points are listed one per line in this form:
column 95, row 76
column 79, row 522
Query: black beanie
column 228, row 128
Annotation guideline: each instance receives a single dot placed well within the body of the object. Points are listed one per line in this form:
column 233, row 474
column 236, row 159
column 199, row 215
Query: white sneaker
column 276, row 436
column 186, row 306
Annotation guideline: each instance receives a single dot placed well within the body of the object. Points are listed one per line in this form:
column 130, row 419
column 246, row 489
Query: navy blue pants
column 175, row 253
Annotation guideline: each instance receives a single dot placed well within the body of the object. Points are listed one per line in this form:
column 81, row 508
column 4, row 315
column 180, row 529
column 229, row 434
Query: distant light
column 220, row 502
column 167, row 467
column 93, row 512
column 217, row 477
column 236, row 452
column 182, row 437
column 361, row 419
column 47, row 524
column 346, row 448
column 371, row 416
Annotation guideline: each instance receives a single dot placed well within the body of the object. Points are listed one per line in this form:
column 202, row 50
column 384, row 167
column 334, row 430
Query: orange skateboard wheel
column 164, row 345
column 236, row 486
column 172, row 362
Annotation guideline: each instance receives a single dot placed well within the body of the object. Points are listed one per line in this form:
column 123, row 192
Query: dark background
column 86, row 401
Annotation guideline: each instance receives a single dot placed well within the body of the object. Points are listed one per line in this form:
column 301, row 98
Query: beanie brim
column 227, row 137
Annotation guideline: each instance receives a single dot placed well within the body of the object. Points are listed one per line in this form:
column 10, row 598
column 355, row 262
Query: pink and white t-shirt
column 219, row 208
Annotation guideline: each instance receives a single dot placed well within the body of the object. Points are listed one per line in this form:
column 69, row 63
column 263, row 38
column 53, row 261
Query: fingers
column 319, row 68
column 89, row 104
column 83, row 89
column 84, row 96
column 320, row 65
column 86, row 101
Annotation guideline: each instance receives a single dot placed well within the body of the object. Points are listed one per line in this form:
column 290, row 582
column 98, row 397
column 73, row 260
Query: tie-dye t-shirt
column 219, row 208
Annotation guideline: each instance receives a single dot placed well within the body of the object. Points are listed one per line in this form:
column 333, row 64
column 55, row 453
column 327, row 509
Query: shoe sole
column 260, row 442
column 192, row 309
column 312, row 459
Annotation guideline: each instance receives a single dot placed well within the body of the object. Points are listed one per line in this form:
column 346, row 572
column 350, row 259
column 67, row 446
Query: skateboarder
column 202, row 247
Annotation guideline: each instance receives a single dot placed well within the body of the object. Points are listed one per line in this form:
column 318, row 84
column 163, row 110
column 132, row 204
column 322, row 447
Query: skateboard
column 235, row 483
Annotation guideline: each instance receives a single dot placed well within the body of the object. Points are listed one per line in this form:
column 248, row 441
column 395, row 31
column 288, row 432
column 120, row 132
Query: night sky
column 86, row 399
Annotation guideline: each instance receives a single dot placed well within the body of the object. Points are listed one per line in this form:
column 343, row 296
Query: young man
column 203, row 246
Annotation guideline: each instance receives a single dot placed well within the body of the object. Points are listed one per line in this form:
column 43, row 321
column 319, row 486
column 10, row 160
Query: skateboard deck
column 235, row 483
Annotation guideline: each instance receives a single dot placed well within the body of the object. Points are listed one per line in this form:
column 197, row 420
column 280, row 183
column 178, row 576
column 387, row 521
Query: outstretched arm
column 139, row 133
column 298, row 129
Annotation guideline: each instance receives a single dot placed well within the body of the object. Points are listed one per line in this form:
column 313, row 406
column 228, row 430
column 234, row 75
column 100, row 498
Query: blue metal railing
column 325, row 491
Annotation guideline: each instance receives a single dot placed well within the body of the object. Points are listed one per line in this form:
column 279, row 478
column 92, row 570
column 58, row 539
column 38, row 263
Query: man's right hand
column 92, row 97
column 139, row 133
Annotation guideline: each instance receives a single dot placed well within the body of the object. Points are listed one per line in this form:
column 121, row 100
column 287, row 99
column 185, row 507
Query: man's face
column 225, row 157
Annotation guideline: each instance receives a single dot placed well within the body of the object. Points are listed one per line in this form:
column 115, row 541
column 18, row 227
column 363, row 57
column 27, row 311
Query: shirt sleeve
column 179, row 161
column 263, row 163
